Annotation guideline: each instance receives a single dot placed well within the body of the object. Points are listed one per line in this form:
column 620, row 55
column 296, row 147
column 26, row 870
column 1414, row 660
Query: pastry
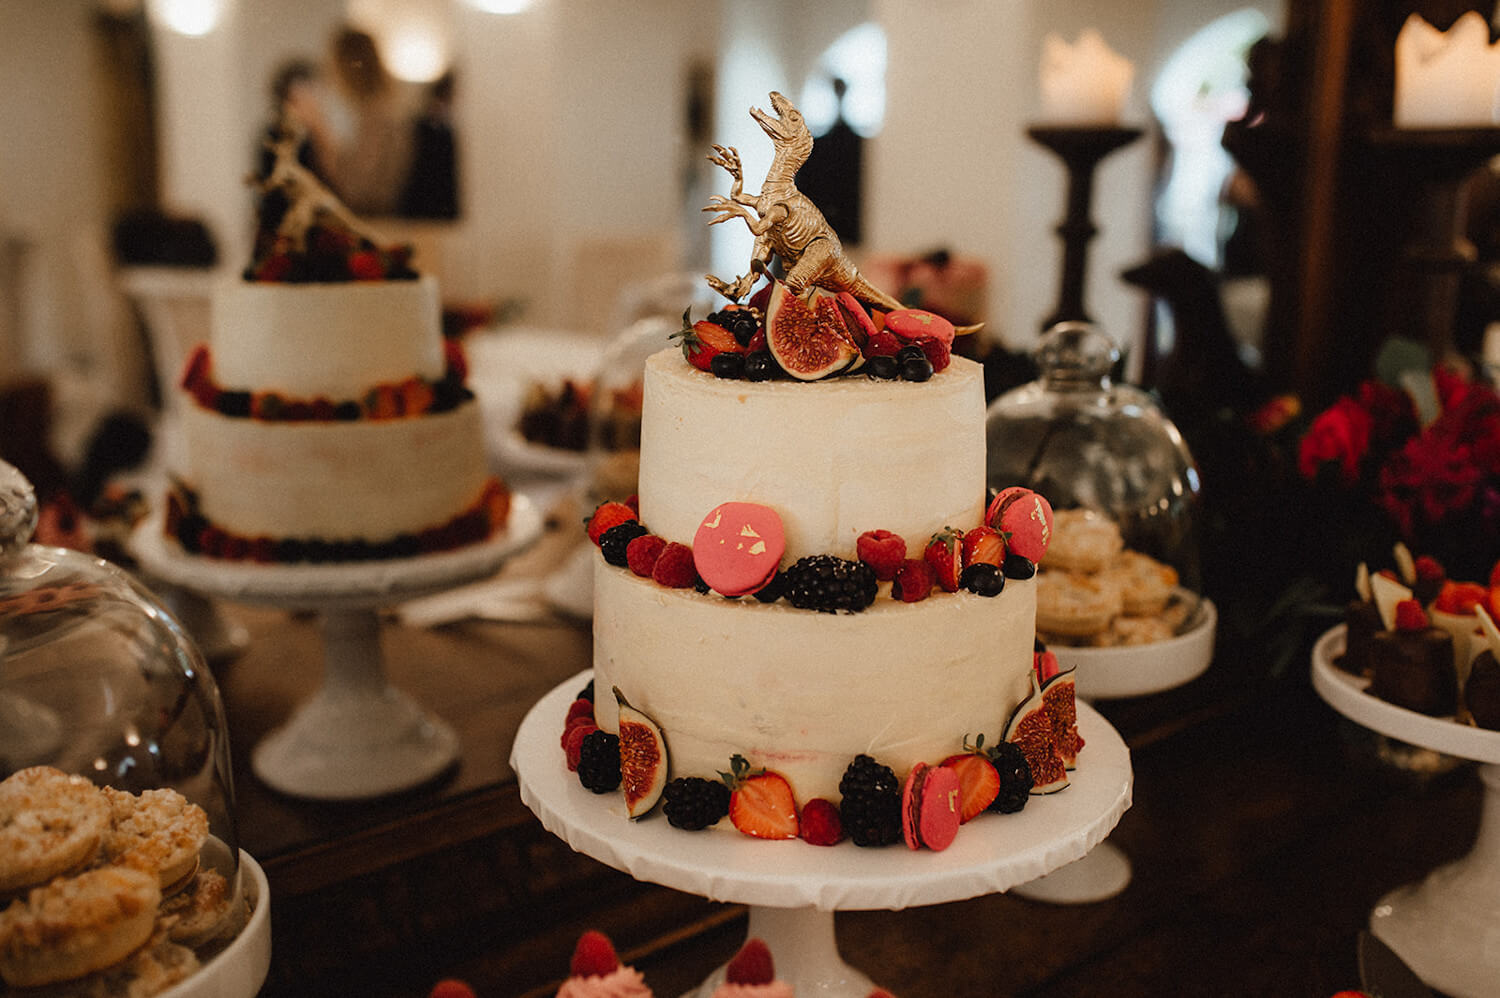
column 1069, row 605
column 596, row 972
column 1145, row 584
column 50, row 823
column 1083, row 541
column 74, row 926
column 158, row 831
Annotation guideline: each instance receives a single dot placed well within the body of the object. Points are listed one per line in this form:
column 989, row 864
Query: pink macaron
column 914, row 323
column 930, row 812
column 1025, row 518
column 738, row 547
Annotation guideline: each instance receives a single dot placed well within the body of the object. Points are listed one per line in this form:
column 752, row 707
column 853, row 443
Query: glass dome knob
column 1076, row 355
column 18, row 511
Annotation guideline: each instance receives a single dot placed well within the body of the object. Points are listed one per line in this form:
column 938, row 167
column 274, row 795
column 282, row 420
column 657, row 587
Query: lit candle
column 1084, row 83
column 1446, row 79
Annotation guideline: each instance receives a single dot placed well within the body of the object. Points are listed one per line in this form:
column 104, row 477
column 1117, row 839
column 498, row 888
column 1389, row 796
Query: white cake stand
column 793, row 889
column 358, row 737
column 1112, row 673
column 1446, row 928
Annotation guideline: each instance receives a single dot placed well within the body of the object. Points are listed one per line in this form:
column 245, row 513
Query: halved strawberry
column 606, row 515
column 703, row 340
column 983, row 545
column 978, row 781
column 760, row 803
column 944, row 553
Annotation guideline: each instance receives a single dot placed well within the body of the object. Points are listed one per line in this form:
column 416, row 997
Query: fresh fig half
column 1060, row 697
column 1030, row 728
column 831, row 319
column 643, row 759
column 856, row 320
column 800, row 344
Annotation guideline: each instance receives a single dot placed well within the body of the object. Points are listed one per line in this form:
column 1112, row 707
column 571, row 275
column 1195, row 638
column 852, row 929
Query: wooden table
column 1263, row 829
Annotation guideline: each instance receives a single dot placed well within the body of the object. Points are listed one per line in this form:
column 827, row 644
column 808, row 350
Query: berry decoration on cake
column 760, row 802
column 599, row 762
column 871, row 804
column 883, row 551
column 693, row 803
column 1015, row 777
column 979, row 782
column 821, row 824
column 829, row 584
column 643, row 759
column 1030, row 728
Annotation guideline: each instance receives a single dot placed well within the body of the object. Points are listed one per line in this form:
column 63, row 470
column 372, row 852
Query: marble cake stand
column 794, row 889
column 357, row 737
column 1108, row 674
column 1445, row 927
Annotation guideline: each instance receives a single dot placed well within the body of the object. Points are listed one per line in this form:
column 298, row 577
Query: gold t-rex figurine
column 784, row 221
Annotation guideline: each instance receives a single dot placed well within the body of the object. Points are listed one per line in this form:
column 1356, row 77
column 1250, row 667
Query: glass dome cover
column 98, row 681
column 1087, row 442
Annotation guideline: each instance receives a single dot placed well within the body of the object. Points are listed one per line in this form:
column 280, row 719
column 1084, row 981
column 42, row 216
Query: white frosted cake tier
column 834, row 458
column 334, row 340
column 363, row 479
column 803, row 692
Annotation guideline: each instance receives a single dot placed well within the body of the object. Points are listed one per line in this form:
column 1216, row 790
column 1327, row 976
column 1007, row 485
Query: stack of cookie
column 1093, row 591
column 107, row 893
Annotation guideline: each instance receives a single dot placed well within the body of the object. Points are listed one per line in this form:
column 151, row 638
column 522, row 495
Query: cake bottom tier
column 368, row 481
column 801, row 692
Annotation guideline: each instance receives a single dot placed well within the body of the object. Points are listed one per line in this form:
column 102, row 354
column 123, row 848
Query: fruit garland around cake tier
column 736, row 553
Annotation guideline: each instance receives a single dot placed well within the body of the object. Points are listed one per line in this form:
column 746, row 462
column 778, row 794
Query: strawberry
column 820, row 823
column 580, row 708
column 572, row 742
column 944, row 553
column 937, row 352
column 882, row 344
column 273, row 268
column 703, row 340
column 606, row 515
column 983, row 545
column 641, row 554
column 752, row 966
column 455, row 360
column 594, row 956
column 451, row 988
column 674, row 567
column 1410, row 616
column 914, row 582
column 978, row 781
column 760, row 803
column 883, row 551
column 1459, row 597
column 366, row 265
column 1429, row 569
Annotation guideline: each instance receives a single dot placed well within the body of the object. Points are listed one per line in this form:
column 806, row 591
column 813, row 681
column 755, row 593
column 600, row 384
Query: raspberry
column 580, row 707
column 1429, row 569
column 573, row 743
column 914, row 582
column 674, row 567
column 882, row 344
column 883, row 551
column 936, row 351
column 821, row 825
column 606, row 515
column 1410, row 616
column 642, row 552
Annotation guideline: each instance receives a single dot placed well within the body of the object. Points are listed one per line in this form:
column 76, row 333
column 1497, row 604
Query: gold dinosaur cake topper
column 306, row 195
column 785, row 222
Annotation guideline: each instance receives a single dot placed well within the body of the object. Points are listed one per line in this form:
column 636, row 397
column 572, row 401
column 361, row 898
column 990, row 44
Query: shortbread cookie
column 1145, row 583
column 197, row 913
column 77, row 925
column 1083, row 540
column 159, row 831
column 1126, row 630
column 50, row 823
column 1075, row 606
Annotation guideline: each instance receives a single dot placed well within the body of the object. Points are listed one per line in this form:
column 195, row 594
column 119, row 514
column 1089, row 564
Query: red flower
column 1340, row 434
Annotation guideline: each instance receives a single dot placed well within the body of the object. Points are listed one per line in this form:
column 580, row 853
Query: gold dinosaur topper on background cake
column 307, row 197
column 785, row 222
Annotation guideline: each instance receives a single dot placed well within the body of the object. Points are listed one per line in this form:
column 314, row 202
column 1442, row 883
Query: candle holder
column 1080, row 148
column 1434, row 165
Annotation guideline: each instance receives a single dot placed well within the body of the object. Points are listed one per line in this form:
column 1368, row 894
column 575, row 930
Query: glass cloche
column 98, row 681
column 1102, row 453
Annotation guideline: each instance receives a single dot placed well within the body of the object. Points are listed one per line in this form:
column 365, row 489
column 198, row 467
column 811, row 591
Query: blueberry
column 1019, row 567
column 759, row 366
column 916, row 369
column 909, row 353
column 233, row 403
column 728, row 365
column 983, row 579
column 743, row 325
column 883, row 367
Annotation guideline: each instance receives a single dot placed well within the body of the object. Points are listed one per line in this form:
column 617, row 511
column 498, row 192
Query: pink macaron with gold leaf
column 738, row 547
column 1024, row 517
column 930, row 807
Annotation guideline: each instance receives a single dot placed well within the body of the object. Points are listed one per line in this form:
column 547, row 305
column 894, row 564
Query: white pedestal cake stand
column 1447, row 927
column 1108, row 674
column 793, row 889
column 358, row 737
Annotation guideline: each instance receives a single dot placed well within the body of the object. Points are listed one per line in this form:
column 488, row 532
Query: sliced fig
column 803, row 349
column 643, row 759
column 1060, row 697
column 856, row 319
column 831, row 320
column 1031, row 730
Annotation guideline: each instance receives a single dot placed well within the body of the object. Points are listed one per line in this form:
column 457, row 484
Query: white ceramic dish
column 1137, row 670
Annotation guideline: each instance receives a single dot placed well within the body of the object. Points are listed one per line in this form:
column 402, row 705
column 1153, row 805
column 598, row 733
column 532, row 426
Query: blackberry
column 871, row 806
column 828, row 583
column 1015, row 777
column 741, row 323
column 773, row 590
column 1018, row 567
column 614, row 541
column 599, row 762
column 982, row 579
column 587, row 693
column 730, row 366
column 694, row 803
column 883, row 366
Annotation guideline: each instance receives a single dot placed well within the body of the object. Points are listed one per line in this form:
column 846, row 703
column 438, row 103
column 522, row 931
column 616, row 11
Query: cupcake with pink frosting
column 752, row 974
column 596, row 972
